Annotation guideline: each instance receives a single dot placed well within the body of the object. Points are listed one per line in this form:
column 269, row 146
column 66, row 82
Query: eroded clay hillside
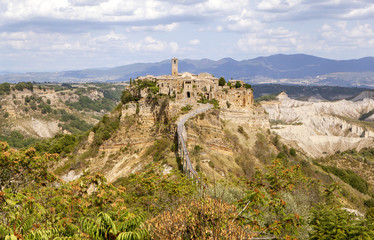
column 322, row 128
column 32, row 111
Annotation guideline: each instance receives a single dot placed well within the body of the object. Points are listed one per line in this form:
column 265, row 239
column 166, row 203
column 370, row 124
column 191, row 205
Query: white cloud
column 366, row 11
column 174, row 46
column 342, row 35
column 219, row 28
column 277, row 5
column 194, row 42
column 111, row 41
column 158, row 28
column 246, row 21
column 277, row 40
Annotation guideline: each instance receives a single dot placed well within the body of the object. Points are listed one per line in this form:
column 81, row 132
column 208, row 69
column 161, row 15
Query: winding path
column 182, row 148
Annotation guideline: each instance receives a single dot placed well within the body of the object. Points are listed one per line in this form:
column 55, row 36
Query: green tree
column 238, row 84
column 221, row 81
column 126, row 97
column 4, row 88
column 247, row 86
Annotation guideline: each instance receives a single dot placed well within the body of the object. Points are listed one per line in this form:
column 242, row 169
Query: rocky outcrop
column 320, row 128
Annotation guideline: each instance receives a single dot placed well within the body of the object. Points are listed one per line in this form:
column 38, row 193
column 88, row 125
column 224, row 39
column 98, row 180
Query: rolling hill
column 284, row 69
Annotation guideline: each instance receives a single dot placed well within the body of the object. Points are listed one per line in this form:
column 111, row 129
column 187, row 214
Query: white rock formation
column 315, row 126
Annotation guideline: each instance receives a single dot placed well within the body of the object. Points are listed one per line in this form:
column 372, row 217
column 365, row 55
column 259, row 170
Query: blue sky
column 54, row 35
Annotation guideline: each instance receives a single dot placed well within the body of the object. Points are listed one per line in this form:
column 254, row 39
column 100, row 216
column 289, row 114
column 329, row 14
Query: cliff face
column 222, row 142
column 147, row 131
column 141, row 125
column 321, row 128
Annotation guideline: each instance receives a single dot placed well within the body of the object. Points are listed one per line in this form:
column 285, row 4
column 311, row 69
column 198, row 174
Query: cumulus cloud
column 194, row 42
column 342, row 35
column 272, row 41
column 85, row 42
column 143, row 28
column 364, row 12
column 278, row 5
column 158, row 28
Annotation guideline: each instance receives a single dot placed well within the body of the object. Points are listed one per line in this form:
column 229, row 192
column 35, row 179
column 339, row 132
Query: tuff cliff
column 145, row 131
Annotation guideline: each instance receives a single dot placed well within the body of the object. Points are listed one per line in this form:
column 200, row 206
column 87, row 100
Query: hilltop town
column 190, row 88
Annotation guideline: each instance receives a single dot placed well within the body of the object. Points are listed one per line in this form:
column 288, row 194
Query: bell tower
column 174, row 66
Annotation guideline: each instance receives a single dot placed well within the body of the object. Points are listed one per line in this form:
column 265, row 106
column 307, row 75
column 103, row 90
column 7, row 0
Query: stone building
column 190, row 87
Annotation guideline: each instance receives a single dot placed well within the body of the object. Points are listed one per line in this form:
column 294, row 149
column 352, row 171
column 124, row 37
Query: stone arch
column 188, row 94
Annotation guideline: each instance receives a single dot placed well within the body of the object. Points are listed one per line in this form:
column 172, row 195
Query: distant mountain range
column 281, row 69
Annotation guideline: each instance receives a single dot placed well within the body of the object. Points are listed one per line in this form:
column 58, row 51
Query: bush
column 186, row 108
column 6, row 114
column 238, row 84
column 332, row 223
column 104, row 129
column 349, row 177
column 221, row 81
column 126, row 97
column 22, row 85
column 76, row 126
column 159, row 149
column 137, row 108
column 4, row 89
column 247, row 86
column 266, row 98
column 33, row 105
column 17, row 140
column 86, row 103
column 369, row 203
column 293, row 152
column 45, row 108
column 241, row 131
column 154, row 90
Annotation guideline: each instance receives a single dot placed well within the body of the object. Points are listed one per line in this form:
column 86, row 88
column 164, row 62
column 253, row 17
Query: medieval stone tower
column 174, row 67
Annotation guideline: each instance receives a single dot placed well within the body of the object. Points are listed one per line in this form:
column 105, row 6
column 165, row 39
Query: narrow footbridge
column 182, row 148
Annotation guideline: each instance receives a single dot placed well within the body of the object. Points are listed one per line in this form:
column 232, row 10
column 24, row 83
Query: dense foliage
column 24, row 85
column 87, row 104
column 347, row 176
column 4, row 89
column 266, row 98
column 17, row 139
